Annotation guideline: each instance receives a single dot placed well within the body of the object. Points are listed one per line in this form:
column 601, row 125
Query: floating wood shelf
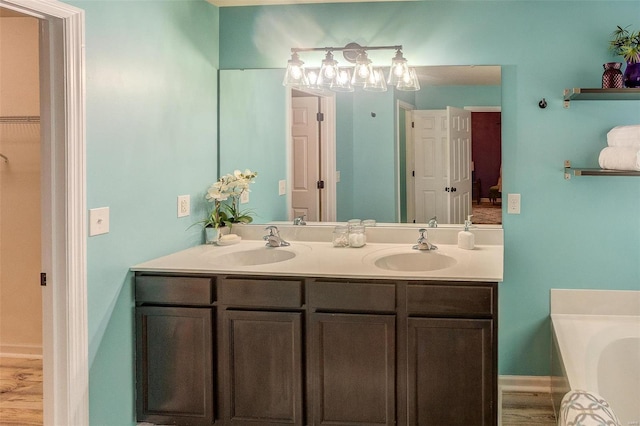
column 581, row 94
column 595, row 172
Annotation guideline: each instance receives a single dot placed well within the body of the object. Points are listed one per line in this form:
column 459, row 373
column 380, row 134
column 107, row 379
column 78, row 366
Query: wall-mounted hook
column 543, row 103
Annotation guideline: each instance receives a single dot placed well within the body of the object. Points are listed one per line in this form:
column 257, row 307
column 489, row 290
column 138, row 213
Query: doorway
column 312, row 156
column 63, row 206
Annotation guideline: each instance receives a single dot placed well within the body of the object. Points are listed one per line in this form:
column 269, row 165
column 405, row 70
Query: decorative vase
column 632, row 75
column 212, row 235
column 612, row 76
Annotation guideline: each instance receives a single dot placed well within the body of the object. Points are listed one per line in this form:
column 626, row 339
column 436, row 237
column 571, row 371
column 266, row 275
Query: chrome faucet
column 423, row 241
column 299, row 220
column 273, row 239
column 433, row 222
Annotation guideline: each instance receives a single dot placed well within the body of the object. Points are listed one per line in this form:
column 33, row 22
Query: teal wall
column 440, row 97
column 582, row 233
column 151, row 74
column 244, row 124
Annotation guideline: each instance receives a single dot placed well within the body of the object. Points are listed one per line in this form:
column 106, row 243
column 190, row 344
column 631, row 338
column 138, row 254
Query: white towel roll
column 620, row 158
column 628, row 136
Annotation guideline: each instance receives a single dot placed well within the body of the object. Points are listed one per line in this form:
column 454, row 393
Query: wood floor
column 20, row 391
column 21, row 398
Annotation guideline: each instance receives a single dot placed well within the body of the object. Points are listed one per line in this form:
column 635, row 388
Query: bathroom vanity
column 327, row 336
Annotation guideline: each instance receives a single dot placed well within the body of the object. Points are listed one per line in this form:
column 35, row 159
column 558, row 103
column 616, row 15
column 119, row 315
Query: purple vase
column 632, row 75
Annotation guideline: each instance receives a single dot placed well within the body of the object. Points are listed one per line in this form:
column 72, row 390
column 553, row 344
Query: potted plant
column 225, row 195
column 627, row 44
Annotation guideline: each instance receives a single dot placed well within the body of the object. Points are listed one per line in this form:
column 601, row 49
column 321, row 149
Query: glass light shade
column 362, row 71
column 312, row 77
column 295, row 75
column 328, row 71
column 399, row 68
column 376, row 82
column 409, row 81
column 342, row 82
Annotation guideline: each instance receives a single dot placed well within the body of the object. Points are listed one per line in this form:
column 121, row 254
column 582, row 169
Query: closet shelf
column 581, row 94
column 580, row 171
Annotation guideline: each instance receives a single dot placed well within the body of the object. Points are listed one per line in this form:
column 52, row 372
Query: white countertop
column 318, row 257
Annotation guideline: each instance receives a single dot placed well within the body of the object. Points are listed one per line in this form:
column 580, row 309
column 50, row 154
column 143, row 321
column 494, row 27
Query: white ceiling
column 226, row 3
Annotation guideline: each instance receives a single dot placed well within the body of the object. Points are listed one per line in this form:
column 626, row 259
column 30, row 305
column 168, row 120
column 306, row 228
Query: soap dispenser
column 466, row 239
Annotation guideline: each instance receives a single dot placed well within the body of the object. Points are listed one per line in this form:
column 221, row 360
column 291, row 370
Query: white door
column 459, row 186
column 431, row 164
column 305, row 195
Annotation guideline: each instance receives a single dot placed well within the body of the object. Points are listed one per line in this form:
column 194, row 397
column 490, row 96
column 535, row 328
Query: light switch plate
column 244, row 197
column 282, row 187
column 513, row 203
column 98, row 221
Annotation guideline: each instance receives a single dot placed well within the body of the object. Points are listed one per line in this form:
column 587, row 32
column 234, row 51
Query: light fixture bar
column 345, row 48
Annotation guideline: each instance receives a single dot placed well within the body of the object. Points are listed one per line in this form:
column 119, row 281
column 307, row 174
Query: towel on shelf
column 620, row 158
column 628, row 136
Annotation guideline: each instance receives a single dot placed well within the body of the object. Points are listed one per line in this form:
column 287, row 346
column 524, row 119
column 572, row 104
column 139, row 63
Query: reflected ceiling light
column 342, row 82
column 409, row 81
column 376, row 82
column 363, row 74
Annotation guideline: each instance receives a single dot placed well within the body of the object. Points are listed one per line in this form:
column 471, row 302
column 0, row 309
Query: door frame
column 64, row 218
column 407, row 108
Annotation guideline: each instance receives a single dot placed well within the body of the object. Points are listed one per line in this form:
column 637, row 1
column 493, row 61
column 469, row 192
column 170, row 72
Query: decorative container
column 212, row 235
column 632, row 75
column 357, row 237
column 612, row 76
column 340, row 236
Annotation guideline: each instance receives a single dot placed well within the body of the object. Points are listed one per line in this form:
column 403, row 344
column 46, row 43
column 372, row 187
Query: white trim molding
column 540, row 384
column 63, row 176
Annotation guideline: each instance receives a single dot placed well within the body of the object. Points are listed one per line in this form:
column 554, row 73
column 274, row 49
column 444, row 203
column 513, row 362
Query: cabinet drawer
column 352, row 296
column 260, row 292
column 175, row 290
column 464, row 300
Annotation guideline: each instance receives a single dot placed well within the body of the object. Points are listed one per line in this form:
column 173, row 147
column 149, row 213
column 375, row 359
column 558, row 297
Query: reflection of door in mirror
column 442, row 165
column 312, row 156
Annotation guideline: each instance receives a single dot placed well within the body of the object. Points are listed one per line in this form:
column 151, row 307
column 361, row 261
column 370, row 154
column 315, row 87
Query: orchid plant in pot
column 627, row 44
column 225, row 195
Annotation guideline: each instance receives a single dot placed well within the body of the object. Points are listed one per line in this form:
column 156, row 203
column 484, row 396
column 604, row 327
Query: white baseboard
column 21, row 351
column 540, row 384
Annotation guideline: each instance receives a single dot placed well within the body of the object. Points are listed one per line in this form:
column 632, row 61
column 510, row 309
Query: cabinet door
column 262, row 358
column 451, row 374
column 174, row 365
column 353, row 369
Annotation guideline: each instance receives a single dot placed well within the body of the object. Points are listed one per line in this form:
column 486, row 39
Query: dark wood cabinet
column 450, row 372
column 262, row 358
column 259, row 350
column 174, row 365
column 353, row 369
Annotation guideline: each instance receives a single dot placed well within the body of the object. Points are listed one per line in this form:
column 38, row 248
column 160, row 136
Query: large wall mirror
column 369, row 158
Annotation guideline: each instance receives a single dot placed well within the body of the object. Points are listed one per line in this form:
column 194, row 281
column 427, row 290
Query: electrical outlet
column 244, row 197
column 513, row 203
column 184, row 205
column 98, row 221
column 282, row 187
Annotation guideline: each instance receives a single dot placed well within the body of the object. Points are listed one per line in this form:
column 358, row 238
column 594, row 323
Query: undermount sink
column 258, row 256
column 415, row 261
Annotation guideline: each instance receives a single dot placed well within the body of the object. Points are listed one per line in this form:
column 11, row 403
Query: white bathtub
column 597, row 347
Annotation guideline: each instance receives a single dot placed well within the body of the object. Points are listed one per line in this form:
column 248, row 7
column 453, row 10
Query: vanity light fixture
column 344, row 79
